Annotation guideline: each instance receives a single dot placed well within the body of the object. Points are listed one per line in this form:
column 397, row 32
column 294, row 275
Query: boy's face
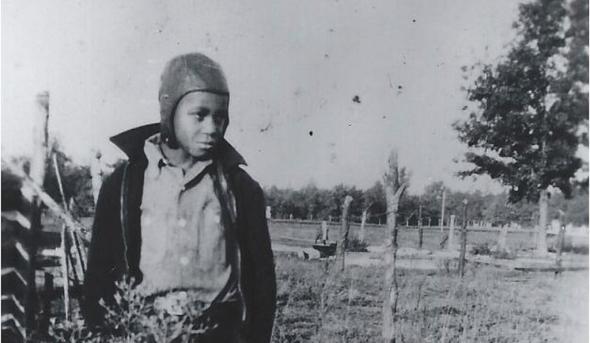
column 200, row 121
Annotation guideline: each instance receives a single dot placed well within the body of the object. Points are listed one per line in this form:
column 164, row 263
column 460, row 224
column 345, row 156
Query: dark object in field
column 355, row 245
column 326, row 249
column 481, row 249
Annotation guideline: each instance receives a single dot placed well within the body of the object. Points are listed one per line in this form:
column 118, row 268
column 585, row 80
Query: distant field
column 304, row 233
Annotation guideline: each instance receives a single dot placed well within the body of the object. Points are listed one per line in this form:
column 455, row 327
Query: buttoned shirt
column 187, row 243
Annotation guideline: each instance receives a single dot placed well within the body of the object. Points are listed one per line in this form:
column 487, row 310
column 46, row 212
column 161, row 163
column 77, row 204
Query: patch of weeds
column 355, row 245
column 481, row 249
column 504, row 255
column 132, row 318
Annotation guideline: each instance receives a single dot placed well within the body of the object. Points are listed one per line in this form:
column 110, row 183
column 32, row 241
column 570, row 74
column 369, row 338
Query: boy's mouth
column 207, row 145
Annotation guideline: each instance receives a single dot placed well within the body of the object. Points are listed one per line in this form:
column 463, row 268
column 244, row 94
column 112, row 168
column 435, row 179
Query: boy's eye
column 199, row 114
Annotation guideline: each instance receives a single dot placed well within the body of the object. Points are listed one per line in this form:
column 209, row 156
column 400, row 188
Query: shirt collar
column 157, row 160
column 132, row 143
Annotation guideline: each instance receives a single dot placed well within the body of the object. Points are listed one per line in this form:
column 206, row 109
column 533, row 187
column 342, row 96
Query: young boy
column 182, row 219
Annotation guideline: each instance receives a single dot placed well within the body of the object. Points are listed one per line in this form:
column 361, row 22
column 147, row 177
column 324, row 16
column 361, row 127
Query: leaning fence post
column 463, row 240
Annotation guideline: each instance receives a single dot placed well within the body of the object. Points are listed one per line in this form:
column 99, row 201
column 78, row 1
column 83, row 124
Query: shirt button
column 182, row 222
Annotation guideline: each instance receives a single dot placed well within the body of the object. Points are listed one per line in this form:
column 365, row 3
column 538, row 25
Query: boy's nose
column 209, row 126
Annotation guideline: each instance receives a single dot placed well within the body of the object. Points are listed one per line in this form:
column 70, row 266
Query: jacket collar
column 132, row 141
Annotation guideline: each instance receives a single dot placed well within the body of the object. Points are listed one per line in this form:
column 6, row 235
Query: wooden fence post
column 502, row 246
column 395, row 183
column 40, row 138
column 344, row 229
column 442, row 210
column 559, row 248
column 463, row 240
column 324, row 232
column 420, row 229
column 451, row 239
column 37, row 173
column 363, row 222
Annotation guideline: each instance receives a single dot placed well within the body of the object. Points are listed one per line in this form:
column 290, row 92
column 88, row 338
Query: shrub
column 481, row 249
column 132, row 318
column 355, row 245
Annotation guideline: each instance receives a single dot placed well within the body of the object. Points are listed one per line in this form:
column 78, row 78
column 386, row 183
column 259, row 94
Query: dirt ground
column 571, row 305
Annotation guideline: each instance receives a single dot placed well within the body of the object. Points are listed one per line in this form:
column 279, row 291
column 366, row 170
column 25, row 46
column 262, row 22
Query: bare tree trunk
column 395, row 185
column 344, row 229
column 542, row 229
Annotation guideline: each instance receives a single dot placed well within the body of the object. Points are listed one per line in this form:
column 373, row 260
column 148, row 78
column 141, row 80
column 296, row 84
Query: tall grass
column 488, row 305
column 317, row 304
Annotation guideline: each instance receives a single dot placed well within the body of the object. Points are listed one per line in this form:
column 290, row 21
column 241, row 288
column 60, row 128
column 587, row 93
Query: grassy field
column 488, row 305
column 302, row 234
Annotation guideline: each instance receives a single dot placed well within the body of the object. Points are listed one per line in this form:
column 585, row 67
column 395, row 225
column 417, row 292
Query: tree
column 375, row 198
column 76, row 181
column 531, row 115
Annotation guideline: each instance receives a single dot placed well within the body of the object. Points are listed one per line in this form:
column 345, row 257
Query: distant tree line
column 313, row 203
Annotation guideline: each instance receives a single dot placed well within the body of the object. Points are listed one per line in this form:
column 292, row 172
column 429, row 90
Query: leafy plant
column 133, row 318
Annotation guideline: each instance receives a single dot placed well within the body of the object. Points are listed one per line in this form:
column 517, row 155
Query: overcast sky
column 293, row 69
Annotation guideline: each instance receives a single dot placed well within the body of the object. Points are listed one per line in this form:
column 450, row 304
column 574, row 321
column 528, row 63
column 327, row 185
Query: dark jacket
column 116, row 235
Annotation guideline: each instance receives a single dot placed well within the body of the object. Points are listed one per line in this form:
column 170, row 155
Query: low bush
column 481, row 249
column 355, row 245
column 132, row 318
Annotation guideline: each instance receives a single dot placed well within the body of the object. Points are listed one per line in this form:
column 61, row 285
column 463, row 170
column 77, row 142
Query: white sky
column 292, row 66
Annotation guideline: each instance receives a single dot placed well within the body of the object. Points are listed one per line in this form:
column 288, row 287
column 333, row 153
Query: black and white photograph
column 295, row 171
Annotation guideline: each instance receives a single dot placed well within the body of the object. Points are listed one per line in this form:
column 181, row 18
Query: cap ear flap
column 167, row 133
